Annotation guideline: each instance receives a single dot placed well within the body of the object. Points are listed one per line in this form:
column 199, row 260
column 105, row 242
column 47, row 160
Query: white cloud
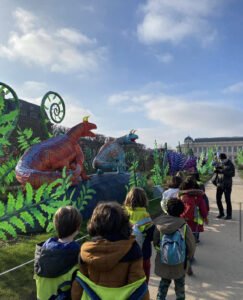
column 165, row 58
column 63, row 50
column 235, row 88
column 176, row 20
column 176, row 116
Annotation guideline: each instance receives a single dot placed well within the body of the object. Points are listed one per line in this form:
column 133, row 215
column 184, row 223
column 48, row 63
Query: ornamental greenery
column 25, row 209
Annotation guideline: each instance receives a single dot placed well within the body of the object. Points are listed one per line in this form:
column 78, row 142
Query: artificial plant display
column 52, row 105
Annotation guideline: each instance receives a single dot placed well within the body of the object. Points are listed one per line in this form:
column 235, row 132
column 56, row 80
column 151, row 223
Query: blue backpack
column 173, row 247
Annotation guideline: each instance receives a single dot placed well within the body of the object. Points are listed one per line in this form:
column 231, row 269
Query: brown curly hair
column 109, row 218
column 136, row 198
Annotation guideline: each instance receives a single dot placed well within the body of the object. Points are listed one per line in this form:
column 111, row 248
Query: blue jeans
column 179, row 288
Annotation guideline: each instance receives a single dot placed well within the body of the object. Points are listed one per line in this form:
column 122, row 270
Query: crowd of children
column 115, row 262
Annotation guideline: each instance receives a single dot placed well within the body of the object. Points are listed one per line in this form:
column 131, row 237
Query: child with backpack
column 173, row 184
column 175, row 245
column 56, row 260
column 111, row 263
column 135, row 204
column 195, row 212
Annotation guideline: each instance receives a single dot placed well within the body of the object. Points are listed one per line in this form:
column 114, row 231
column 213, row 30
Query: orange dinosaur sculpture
column 43, row 162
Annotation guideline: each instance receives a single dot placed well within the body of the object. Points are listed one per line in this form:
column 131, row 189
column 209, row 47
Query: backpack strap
column 88, row 290
column 139, row 293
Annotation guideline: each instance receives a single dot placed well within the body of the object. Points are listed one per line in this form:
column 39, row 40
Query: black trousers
column 227, row 192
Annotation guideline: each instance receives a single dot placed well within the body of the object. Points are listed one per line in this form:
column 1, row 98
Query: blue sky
column 165, row 68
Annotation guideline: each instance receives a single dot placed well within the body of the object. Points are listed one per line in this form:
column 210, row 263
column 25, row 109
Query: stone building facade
column 227, row 145
column 29, row 117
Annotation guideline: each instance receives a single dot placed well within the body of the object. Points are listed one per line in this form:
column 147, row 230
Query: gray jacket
column 168, row 224
column 52, row 263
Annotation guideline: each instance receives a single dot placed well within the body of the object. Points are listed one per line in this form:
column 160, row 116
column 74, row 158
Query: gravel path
column 218, row 268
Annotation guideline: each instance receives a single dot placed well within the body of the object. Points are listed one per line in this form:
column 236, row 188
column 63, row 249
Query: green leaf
column 88, row 197
column 11, row 204
column 28, row 218
column 18, row 223
column 39, row 193
column 39, row 216
column 48, row 209
column 29, row 193
column 8, row 228
column 2, row 209
column 3, row 236
column 50, row 227
column 91, row 191
column 64, row 172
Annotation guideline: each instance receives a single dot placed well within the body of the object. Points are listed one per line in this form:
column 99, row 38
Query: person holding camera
column 224, row 171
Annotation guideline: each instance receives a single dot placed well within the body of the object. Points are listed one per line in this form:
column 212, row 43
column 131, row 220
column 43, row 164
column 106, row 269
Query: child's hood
column 104, row 255
column 168, row 224
column 52, row 263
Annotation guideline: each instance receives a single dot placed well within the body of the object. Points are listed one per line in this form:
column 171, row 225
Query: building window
column 235, row 148
column 225, row 149
column 219, row 148
column 195, row 149
column 230, row 149
column 204, row 149
column 240, row 147
column 200, row 149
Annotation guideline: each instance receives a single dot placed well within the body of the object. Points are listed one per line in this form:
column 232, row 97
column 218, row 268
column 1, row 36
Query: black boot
column 220, row 216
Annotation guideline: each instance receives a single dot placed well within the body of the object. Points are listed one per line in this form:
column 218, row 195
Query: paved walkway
column 218, row 269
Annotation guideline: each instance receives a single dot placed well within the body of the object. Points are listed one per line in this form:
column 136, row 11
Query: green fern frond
column 8, row 228
column 17, row 222
column 6, row 129
column 11, row 204
column 39, row 216
column 2, row 209
column 50, row 227
column 48, row 209
column 28, row 132
column 39, row 193
column 20, row 200
column 3, row 235
column 26, row 216
column 35, row 140
column 29, row 193
column 8, row 118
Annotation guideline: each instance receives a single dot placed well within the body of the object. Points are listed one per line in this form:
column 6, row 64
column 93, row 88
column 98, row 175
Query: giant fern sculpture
column 22, row 211
column 53, row 105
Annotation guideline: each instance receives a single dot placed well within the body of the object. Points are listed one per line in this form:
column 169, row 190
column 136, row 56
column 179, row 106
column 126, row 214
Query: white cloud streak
column 175, row 20
column 234, row 88
column 63, row 50
column 179, row 117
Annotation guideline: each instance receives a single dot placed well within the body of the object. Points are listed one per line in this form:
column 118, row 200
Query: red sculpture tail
column 36, row 178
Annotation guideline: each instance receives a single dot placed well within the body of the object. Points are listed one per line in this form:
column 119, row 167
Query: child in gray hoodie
column 168, row 224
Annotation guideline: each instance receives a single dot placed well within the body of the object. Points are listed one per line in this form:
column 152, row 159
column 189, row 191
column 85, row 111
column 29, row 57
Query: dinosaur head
column 87, row 127
column 81, row 130
column 131, row 137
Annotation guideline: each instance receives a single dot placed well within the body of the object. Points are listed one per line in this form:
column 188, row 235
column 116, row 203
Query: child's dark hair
column 136, row 198
column 174, row 182
column 180, row 174
column 175, row 207
column 189, row 183
column 109, row 218
column 66, row 221
column 196, row 175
